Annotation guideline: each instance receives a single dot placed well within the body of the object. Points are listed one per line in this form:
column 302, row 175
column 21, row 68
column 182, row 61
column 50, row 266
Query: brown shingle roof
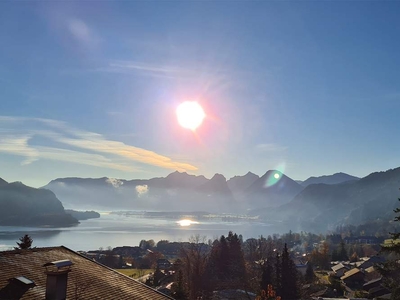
column 87, row 280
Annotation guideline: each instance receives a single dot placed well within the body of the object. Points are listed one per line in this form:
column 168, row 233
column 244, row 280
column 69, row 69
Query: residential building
column 353, row 277
column 58, row 273
column 339, row 270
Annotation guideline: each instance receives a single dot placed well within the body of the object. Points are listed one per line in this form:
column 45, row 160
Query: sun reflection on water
column 186, row 222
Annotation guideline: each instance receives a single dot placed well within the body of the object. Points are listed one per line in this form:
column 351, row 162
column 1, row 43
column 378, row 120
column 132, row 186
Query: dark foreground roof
column 87, row 280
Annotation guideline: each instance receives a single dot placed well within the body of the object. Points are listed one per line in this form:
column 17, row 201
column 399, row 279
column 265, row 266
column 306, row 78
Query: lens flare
column 275, row 176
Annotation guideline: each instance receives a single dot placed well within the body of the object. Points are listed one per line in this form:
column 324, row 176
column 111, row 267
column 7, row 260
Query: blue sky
column 89, row 89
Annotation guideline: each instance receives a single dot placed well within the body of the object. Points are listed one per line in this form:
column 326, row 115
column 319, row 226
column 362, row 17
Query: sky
column 90, row 89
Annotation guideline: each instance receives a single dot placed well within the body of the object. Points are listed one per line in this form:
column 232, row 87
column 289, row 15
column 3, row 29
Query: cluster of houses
column 114, row 258
column 361, row 275
column 58, row 273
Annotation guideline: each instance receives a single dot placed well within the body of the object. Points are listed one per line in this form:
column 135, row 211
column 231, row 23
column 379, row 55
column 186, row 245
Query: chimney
column 57, row 278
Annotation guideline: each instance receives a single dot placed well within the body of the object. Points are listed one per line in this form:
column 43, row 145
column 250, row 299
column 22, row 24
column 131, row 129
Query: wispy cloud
column 18, row 144
column 76, row 146
column 165, row 70
column 72, row 31
column 144, row 69
column 78, row 157
column 79, row 29
column 148, row 68
column 81, row 32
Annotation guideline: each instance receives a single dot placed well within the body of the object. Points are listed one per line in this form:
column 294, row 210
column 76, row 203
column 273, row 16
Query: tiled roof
column 338, row 267
column 87, row 280
column 350, row 273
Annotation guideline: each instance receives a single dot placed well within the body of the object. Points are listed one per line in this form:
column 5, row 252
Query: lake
column 121, row 230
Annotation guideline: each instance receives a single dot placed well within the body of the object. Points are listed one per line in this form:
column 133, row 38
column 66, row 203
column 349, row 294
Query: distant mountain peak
column 3, row 182
column 272, row 172
column 177, row 173
column 17, row 183
column 249, row 173
column 271, row 189
column 217, row 184
column 238, row 184
column 336, row 178
column 183, row 175
column 218, row 177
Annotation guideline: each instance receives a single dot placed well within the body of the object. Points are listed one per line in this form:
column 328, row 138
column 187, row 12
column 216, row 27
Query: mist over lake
column 121, row 230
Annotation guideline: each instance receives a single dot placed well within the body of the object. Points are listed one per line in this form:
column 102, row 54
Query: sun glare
column 186, row 222
column 190, row 115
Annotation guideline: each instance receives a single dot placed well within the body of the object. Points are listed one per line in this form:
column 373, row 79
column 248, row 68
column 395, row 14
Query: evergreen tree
column 25, row 242
column 236, row 263
column 342, row 253
column 223, row 260
column 213, row 266
column 267, row 275
column 226, row 264
column 278, row 274
column 289, row 288
column 391, row 270
column 310, row 276
column 334, row 256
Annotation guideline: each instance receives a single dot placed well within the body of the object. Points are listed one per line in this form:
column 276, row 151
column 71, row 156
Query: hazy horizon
column 207, row 177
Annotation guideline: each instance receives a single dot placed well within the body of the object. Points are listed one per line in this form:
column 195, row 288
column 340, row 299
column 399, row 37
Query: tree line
column 204, row 270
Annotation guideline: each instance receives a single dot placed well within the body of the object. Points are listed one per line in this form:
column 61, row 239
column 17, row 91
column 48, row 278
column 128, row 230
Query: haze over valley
column 275, row 200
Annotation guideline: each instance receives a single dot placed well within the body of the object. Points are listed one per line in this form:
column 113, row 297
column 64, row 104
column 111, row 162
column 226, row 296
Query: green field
column 135, row 273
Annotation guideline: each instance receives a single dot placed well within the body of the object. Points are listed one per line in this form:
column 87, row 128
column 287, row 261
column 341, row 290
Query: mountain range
column 323, row 206
column 177, row 191
column 318, row 203
column 181, row 191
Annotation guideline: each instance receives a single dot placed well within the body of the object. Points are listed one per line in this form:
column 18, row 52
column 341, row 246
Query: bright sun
column 190, row 115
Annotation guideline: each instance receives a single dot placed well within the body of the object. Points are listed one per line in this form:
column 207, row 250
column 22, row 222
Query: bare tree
column 194, row 258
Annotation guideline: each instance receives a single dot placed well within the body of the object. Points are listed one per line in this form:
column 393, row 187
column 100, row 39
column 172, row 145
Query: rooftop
column 87, row 280
column 350, row 273
column 338, row 267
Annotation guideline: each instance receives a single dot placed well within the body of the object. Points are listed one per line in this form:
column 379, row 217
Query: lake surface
column 120, row 230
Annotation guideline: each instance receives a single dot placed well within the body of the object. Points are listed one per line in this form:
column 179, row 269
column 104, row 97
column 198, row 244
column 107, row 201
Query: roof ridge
column 34, row 249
